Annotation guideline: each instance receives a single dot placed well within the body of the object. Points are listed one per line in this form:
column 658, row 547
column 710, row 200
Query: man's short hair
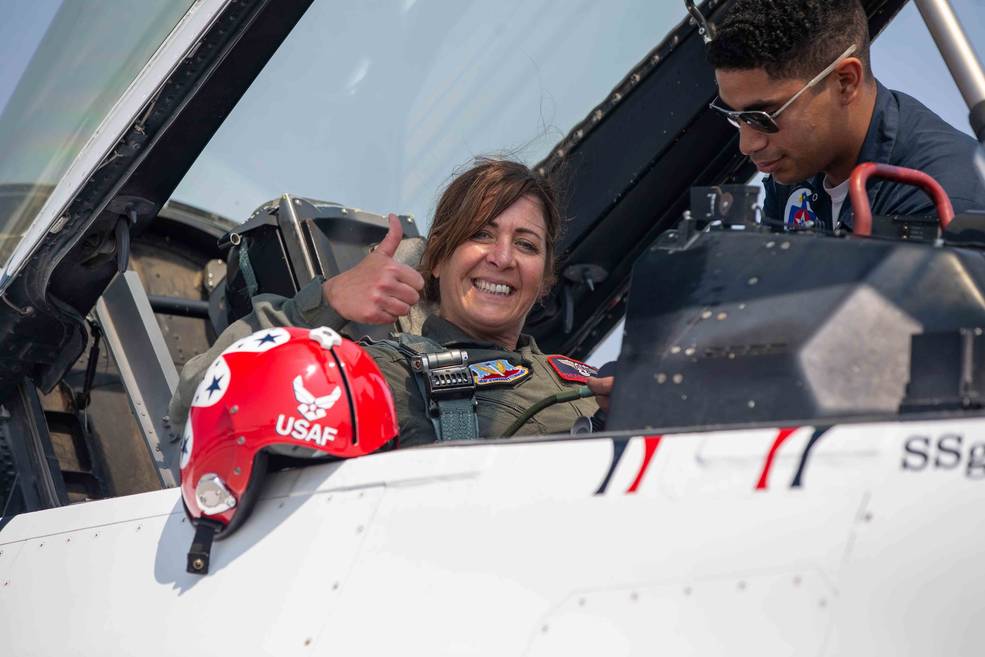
column 790, row 38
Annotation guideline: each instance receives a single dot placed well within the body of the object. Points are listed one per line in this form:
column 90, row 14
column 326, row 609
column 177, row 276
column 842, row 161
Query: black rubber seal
column 977, row 118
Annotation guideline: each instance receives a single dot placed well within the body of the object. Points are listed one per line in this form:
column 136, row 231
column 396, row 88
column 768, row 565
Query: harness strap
column 248, row 274
column 457, row 419
column 445, row 382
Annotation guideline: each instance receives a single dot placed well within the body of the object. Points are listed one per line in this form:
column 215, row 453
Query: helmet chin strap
column 201, row 550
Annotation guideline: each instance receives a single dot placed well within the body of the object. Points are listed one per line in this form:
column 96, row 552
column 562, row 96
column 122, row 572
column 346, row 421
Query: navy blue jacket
column 905, row 133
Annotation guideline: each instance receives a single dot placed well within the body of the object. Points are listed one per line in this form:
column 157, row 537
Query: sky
column 19, row 38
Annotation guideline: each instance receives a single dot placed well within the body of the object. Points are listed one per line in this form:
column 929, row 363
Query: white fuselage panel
column 856, row 540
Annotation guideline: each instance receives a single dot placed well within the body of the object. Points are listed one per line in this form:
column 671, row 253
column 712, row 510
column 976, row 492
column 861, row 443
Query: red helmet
column 293, row 392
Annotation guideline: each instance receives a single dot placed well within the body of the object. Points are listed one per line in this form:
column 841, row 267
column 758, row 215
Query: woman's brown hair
column 476, row 197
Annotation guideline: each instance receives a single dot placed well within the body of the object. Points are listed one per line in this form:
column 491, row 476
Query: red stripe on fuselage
column 783, row 434
column 651, row 447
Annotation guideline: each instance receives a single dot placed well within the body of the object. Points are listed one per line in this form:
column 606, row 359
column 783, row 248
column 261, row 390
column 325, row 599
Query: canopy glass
column 65, row 65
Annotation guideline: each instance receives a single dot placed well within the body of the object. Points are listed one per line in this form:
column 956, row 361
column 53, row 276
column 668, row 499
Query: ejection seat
column 289, row 241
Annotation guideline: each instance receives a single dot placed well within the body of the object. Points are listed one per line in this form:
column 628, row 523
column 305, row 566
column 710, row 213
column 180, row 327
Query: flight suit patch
column 799, row 212
column 571, row 370
column 492, row 372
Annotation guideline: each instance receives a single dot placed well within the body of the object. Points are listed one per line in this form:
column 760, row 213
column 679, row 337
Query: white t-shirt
column 838, row 195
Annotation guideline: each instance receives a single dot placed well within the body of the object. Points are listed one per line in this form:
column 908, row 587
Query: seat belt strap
column 446, row 384
column 457, row 419
column 249, row 276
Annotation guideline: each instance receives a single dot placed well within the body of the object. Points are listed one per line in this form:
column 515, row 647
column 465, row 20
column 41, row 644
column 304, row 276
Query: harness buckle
column 447, row 375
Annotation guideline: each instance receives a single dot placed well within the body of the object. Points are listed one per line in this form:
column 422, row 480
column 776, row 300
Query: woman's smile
column 493, row 288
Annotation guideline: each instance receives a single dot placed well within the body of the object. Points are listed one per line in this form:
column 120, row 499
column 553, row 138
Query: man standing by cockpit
column 794, row 77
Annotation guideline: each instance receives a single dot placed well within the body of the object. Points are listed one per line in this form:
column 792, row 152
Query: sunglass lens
column 760, row 121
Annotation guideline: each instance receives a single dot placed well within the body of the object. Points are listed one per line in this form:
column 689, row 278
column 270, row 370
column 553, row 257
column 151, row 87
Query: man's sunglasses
column 766, row 121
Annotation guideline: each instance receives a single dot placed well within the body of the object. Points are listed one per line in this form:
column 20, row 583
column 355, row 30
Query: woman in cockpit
column 489, row 257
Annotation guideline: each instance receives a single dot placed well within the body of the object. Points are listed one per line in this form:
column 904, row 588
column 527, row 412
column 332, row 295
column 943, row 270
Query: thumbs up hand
column 379, row 289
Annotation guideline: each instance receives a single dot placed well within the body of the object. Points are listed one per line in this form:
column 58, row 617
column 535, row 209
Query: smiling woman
column 470, row 372
column 490, row 253
column 491, row 281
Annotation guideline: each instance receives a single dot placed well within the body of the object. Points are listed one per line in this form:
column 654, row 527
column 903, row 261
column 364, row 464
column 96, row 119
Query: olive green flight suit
column 498, row 404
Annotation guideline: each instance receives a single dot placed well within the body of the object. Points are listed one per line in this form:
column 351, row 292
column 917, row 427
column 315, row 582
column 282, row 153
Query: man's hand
column 602, row 389
column 379, row 289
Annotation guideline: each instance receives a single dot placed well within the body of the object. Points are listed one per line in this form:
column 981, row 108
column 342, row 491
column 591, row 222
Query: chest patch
column 800, row 208
column 492, row 372
column 571, row 370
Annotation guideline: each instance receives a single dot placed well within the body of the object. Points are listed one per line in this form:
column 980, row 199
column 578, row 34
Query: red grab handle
column 860, row 200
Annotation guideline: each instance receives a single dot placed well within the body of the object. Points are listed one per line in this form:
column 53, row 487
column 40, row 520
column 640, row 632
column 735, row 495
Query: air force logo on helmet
column 311, row 407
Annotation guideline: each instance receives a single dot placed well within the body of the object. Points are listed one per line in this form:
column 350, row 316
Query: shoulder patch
column 571, row 370
column 799, row 209
column 491, row 372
